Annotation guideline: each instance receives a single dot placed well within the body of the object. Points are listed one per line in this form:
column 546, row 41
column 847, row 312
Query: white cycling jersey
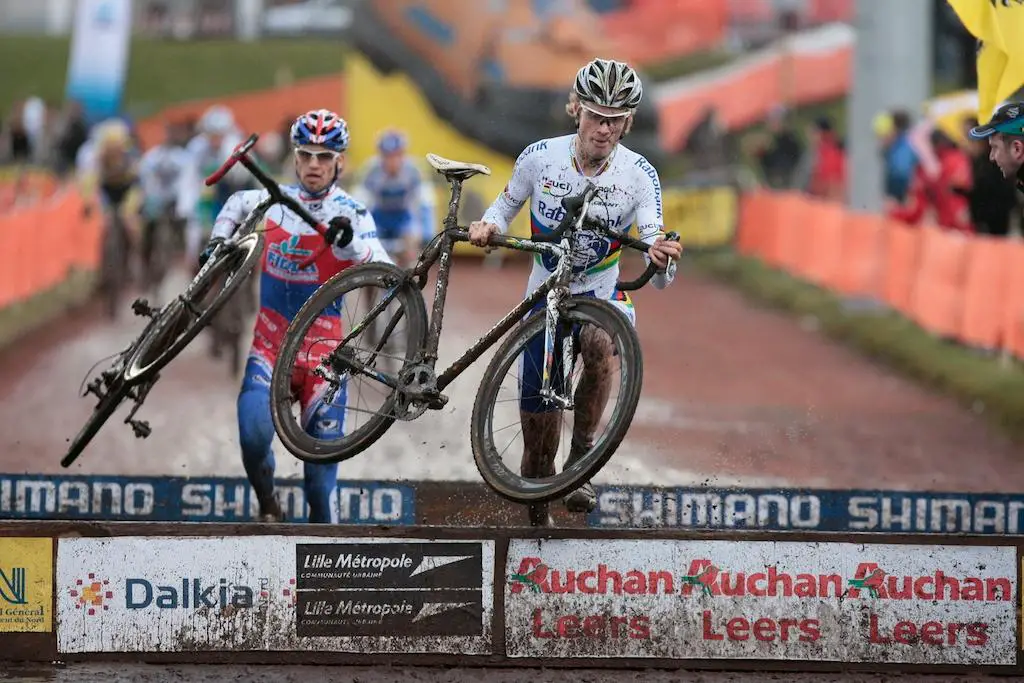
column 160, row 173
column 546, row 172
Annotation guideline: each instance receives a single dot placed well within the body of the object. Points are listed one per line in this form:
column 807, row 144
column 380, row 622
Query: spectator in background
column 780, row 154
column 899, row 157
column 941, row 185
column 74, row 133
column 991, row 199
column 15, row 143
column 828, row 166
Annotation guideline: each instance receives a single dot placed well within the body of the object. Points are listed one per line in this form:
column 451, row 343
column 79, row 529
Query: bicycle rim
column 349, row 282
column 174, row 329
column 488, row 456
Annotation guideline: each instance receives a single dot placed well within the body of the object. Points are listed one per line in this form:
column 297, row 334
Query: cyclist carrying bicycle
column 319, row 139
column 392, row 188
column 602, row 103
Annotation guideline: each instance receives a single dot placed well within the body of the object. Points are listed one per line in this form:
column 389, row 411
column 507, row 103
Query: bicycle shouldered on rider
column 602, row 103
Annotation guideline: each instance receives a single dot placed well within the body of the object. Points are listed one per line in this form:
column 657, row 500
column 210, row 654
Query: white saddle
column 456, row 169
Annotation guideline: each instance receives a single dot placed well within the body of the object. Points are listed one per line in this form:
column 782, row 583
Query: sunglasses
column 324, row 157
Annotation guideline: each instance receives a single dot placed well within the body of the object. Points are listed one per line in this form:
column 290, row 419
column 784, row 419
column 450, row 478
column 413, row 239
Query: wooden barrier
column 967, row 288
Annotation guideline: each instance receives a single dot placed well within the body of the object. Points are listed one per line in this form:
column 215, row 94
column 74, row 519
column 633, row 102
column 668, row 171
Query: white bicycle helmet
column 217, row 120
column 609, row 84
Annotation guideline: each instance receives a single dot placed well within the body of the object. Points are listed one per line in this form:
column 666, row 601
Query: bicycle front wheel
column 363, row 407
column 180, row 321
column 604, row 388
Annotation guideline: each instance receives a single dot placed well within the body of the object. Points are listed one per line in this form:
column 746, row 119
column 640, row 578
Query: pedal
column 437, row 401
column 141, row 428
column 142, row 307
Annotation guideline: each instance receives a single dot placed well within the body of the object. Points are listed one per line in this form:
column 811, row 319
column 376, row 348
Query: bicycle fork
column 555, row 297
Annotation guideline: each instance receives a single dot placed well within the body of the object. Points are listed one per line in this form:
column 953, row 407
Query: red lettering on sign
column 934, row 633
column 764, row 629
column 597, row 626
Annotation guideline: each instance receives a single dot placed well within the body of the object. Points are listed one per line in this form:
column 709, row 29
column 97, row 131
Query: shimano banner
column 99, row 56
column 192, row 499
column 809, row 510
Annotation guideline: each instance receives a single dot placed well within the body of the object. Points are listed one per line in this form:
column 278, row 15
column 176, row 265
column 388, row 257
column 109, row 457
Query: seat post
column 451, row 221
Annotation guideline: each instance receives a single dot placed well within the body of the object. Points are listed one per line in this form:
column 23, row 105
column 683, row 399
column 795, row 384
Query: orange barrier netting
column 964, row 287
column 43, row 242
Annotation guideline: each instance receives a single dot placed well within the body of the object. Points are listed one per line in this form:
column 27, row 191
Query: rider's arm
column 517, row 192
column 236, row 208
column 649, row 219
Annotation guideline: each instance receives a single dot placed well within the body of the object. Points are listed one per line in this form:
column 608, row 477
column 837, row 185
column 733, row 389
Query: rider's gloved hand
column 207, row 252
column 339, row 232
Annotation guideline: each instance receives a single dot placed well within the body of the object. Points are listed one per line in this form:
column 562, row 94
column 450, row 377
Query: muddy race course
column 732, row 395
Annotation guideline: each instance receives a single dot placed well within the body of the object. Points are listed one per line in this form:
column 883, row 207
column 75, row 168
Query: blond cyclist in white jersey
column 602, row 103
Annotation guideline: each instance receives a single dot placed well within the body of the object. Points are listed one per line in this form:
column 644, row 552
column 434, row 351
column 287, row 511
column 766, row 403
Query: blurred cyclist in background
column 108, row 172
column 198, row 204
column 160, row 172
column 392, row 188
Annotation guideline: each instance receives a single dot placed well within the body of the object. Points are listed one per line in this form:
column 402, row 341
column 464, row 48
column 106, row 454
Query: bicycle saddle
column 456, row 169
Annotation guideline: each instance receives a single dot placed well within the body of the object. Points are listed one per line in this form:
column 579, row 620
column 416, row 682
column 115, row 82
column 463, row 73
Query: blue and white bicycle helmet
column 391, row 141
column 320, row 127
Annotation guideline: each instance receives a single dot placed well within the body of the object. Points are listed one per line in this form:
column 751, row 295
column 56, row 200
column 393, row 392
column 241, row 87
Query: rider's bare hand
column 480, row 232
column 662, row 250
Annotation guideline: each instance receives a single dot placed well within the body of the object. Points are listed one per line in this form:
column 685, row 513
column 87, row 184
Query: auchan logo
column 703, row 577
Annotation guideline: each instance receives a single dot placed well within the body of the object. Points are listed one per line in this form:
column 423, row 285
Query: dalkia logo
column 190, row 593
column 705, row 578
column 91, row 594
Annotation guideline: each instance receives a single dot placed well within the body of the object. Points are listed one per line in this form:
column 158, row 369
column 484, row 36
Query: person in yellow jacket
column 110, row 175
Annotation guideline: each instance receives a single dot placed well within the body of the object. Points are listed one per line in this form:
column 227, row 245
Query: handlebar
column 576, row 209
column 241, row 155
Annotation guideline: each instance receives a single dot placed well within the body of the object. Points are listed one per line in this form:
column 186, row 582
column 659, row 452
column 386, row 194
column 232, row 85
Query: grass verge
column 984, row 384
column 21, row 318
column 167, row 72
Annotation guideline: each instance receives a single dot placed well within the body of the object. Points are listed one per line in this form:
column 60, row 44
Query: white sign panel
column 761, row 600
column 158, row 594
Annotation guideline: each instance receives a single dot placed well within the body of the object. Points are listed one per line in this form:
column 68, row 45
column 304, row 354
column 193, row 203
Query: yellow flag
column 999, row 26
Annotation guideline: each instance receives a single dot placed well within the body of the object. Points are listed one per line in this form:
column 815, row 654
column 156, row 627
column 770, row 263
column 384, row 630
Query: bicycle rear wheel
column 578, row 314
column 303, row 350
column 178, row 322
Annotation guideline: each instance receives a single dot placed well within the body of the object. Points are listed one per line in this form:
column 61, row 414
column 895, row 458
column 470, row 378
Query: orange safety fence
column 744, row 94
column 26, row 187
column 969, row 288
column 70, row 239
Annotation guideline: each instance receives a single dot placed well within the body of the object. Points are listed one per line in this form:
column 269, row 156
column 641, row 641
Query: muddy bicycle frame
column 558, row 243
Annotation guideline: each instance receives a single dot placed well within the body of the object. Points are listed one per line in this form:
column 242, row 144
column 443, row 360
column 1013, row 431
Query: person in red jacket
column 828, row 174
column 942, row 187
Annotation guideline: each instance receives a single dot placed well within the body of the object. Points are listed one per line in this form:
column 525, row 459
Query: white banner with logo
column 838, row 602
column 158, row 594
column 98, row 62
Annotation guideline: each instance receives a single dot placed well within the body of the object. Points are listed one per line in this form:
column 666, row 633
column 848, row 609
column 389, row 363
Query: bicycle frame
column 554, row 288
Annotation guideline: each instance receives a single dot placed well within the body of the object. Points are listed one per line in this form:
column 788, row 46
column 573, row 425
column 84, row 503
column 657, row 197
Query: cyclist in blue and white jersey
column 602, row 103
column 392, row 188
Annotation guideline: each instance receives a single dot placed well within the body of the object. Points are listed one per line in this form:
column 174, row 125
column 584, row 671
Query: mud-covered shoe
column 583, row 499
column 271, row 512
